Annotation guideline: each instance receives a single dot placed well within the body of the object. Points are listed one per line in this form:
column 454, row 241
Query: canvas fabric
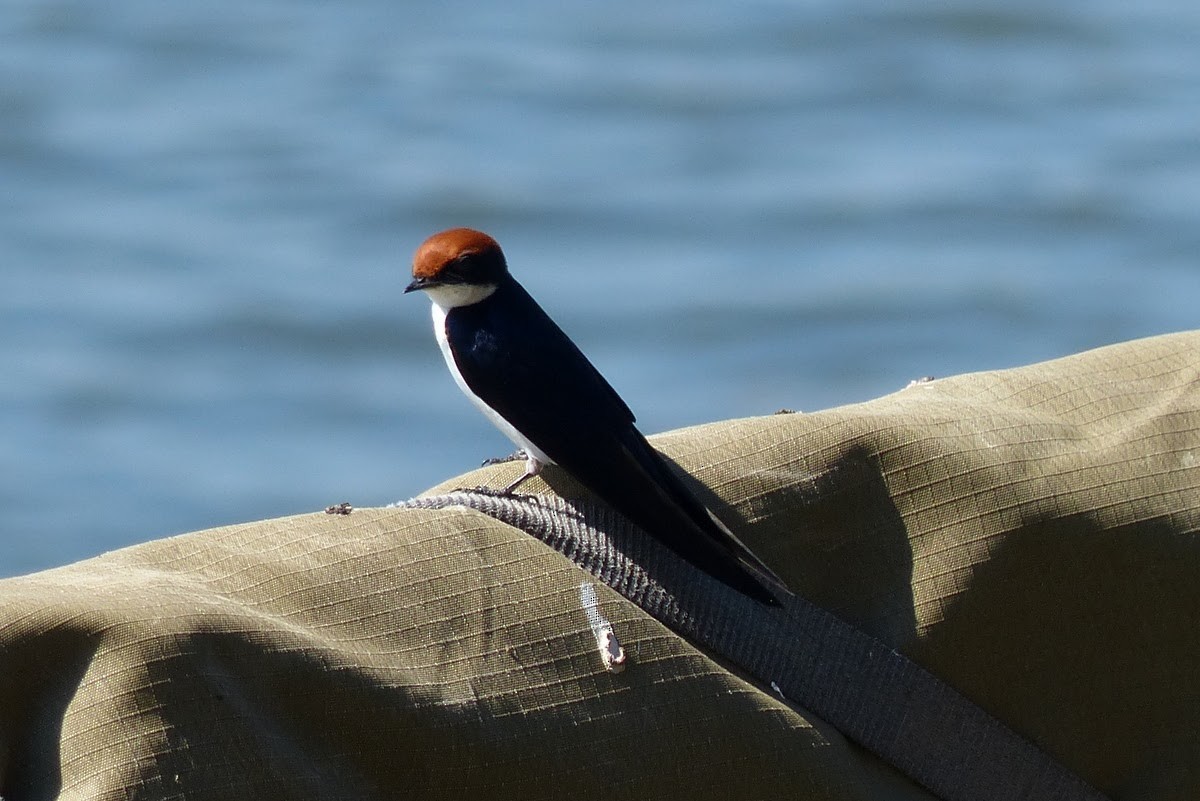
column 1029, row 536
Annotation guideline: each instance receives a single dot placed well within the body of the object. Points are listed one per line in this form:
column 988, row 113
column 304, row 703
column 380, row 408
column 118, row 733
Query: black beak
column 418, row 284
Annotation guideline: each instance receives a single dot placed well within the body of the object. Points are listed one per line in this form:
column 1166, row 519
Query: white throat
column 450, row 296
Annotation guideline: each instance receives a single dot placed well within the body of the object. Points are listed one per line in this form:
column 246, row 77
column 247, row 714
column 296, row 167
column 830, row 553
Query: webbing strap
column 874, row 695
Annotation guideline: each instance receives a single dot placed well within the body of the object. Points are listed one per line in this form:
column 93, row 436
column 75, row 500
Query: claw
column 512, row 457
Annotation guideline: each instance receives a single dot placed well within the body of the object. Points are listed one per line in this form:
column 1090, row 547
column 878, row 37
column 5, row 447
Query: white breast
column 439, row 331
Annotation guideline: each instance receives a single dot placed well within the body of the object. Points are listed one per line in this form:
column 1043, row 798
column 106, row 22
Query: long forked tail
column 649, row 492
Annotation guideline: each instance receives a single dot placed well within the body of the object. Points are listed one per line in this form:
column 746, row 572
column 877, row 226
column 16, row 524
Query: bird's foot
column 492, row 492
column 479, row 489
column 512, row 457
column 532, row 468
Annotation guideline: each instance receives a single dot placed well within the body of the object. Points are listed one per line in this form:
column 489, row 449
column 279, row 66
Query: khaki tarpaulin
column 1029, row 536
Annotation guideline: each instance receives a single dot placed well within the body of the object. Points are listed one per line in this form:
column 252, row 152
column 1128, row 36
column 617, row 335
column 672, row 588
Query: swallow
column 532, row 382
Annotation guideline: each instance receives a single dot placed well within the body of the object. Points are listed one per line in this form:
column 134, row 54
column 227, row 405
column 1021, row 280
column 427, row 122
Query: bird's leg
column 532, row 468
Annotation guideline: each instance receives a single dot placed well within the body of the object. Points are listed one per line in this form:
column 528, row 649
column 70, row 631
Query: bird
column 535, row 385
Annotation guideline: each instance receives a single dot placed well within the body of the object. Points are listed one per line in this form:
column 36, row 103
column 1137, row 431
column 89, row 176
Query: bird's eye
column 460, row 266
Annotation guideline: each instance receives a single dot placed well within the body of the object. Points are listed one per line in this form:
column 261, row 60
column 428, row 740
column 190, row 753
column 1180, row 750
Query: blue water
column 207, row 211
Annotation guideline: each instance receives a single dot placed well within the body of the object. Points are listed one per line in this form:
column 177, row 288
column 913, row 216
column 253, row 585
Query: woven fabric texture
column 1029, row 536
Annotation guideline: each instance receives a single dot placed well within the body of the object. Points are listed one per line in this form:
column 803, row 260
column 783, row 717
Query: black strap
column 871, row 693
